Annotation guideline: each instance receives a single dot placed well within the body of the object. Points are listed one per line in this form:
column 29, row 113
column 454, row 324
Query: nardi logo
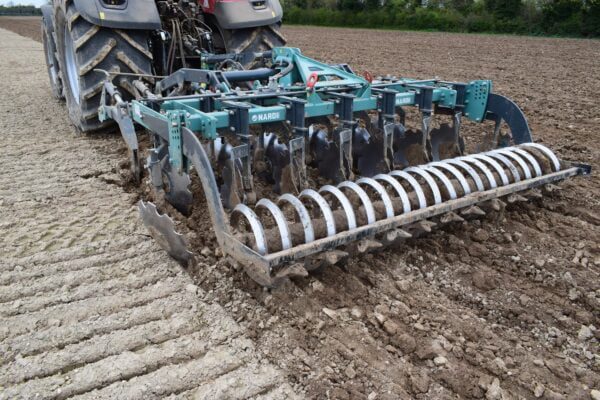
column 266, row 117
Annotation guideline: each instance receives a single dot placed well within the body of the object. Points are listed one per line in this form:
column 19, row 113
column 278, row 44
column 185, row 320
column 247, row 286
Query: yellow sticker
column 273, row 12
column 101, row 14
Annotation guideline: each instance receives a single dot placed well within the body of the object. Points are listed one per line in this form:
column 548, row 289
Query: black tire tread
column 49, row 39
column 97, row 47
column 258, row 39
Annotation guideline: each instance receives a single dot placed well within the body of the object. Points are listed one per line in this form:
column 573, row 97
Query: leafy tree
column 563, row 17
column 351, row 5
column 462, row 6
column 591, row 19
column 504, row 9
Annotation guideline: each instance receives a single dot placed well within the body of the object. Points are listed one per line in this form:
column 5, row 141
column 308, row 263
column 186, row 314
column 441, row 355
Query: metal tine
column 420, row 228
column 451, row 217
column 296, row 270
column 550, row 188
column 394, row 236
column 472, row 212
column 515, row 198
column 241, row 155
column 533, row 194
column 326, row 259
column 493, row 205
column 343, row 139
column 426, row 119
column 364, row 246
column 297, row 151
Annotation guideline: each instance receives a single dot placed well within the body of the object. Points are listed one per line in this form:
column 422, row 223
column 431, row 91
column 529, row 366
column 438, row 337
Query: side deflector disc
column 162, row 229
column 502, row 107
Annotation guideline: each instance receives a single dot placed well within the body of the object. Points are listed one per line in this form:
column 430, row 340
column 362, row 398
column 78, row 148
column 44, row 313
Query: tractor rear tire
column 51, row 55
column 84, row 48
column 252, row 40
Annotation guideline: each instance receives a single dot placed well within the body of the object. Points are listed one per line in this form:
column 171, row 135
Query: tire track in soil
column 501, row 308
column 89, row 304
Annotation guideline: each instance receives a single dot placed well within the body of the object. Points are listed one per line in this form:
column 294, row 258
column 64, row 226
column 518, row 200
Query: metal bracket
column 386, row 106
column 387, row 114
column 295, row 116
column 239, row 118
column 425, row 99
column 461, row 93
column 425, row 104
column 155, row 169
column 298, row 161
column 175, row 144
column 239, row 123
column 388, row 145
column 343, row 139
column 240, row 151
column 344, row 108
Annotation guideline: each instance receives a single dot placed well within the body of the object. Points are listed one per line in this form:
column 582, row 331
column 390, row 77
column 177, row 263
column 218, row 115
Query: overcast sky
column 23, row 2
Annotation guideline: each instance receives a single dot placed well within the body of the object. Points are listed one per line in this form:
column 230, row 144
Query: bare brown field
column 500, row 308
column 25, row 26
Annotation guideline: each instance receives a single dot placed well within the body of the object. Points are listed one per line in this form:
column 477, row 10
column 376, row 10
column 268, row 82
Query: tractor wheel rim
column 71, row 67
column 50, row 58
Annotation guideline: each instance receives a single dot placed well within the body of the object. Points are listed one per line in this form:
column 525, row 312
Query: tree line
column 20, row 10
column 533, row 17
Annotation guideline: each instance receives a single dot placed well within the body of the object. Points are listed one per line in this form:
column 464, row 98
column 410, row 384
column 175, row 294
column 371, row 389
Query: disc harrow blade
column 277, row 157
column 368, row 152
column 177, row 191
column 408, row 147
column 446, row 142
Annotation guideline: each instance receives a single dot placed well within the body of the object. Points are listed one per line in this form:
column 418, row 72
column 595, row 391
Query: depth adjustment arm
column 239, row 121
column 295, row 117
column 112, row 106
column 344, row 110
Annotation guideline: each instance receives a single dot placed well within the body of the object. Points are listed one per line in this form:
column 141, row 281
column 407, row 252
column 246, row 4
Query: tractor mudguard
column 131, row 14
column 241, row 14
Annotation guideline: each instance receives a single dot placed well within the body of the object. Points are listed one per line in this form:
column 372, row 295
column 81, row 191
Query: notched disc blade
column 408, row 147
column 326, row 155
column 177, row 191
column 277, row 156
column 367, row 153
column 445, row 143
column 162, row 229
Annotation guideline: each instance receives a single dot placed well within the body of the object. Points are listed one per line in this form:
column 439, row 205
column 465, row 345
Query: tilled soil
column 90, row 306
column 504, row 307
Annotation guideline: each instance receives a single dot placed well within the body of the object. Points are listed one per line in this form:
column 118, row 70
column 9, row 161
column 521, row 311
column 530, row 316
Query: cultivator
column 262, row 141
